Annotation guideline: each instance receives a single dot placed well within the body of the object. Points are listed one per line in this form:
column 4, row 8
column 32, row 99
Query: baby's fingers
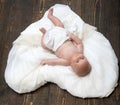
column 43, row 62
column 69, row 37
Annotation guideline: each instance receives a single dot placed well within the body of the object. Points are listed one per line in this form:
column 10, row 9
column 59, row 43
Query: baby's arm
column 57, row 61
column 77, row 40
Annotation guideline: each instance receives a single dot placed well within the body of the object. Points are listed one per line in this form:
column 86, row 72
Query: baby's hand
column 70, row 37
column 43, row 62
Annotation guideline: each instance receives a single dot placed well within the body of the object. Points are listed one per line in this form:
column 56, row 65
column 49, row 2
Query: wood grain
column 16, row 15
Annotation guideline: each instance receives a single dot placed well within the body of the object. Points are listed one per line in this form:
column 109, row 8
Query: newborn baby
column 66, row 46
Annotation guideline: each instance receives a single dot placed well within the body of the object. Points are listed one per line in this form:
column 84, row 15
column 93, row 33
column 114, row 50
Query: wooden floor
column 16, row 15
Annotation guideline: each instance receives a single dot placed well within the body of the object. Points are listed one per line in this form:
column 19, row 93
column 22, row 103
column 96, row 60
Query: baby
column 66, row 46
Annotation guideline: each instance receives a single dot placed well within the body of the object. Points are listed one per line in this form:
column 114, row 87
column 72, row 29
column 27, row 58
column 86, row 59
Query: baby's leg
column 54, row 19
column 43, row 30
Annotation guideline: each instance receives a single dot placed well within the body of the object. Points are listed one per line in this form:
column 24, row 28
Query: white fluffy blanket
column 23, row 71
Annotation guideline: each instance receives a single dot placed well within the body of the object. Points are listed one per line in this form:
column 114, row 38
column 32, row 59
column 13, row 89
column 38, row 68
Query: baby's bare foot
column 50, row 13
column 43, row 30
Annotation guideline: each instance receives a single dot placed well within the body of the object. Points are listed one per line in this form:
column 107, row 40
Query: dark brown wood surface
column 16, row 15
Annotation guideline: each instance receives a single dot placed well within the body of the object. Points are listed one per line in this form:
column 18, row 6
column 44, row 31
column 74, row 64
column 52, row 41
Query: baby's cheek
column 74, row 59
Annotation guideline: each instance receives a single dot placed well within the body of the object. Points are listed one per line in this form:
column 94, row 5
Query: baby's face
column 80, row 64
column 77, row 58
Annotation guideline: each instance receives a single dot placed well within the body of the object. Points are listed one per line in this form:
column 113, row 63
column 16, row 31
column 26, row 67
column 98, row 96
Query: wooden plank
column 12, row 15
column 16, row 15
column 110, row 23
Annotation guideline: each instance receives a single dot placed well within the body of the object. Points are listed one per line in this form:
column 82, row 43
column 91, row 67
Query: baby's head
column 80, row 65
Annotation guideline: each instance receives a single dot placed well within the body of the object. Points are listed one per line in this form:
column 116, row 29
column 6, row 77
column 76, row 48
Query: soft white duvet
column 23, row 71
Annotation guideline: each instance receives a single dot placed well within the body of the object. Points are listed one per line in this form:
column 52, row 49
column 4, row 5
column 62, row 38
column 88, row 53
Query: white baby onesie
column 55, row 37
